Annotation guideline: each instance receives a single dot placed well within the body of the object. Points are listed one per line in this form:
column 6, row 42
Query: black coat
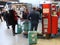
column 34, row 17
column 12, row 18
column 24, row 15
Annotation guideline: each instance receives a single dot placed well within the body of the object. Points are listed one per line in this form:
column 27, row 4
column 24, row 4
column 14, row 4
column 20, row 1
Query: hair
column 34, row 8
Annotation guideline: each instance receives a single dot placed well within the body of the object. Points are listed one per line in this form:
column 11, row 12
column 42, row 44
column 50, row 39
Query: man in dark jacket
column 34, row 18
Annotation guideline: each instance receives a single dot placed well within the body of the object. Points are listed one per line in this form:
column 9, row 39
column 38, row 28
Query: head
column 26, row 10
column 34, row 8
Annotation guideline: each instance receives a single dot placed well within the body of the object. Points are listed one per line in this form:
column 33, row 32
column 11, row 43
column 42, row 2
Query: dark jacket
column 13, row 18
column 40, row 11
column 25, row 15
column 34, row 16
column 4, row 15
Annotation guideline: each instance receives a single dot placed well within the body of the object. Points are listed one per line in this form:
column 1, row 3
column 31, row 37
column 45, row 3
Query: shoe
column 13, row 34
column 8, row 27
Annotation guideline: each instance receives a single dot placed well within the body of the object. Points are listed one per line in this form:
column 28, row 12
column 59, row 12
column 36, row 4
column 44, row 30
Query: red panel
column 54, row 24
column 46, row 5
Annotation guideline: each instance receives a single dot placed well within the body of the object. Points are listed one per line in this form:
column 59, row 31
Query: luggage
column 27, row 26
column 32, row 37
column 19, row 29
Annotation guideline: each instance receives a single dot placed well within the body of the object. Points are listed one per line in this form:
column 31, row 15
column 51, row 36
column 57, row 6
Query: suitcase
column 32, row 37
column 27, row 26
column 19, row 29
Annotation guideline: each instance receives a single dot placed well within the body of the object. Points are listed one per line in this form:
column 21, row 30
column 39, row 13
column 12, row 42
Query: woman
column 25, row 14
column 13, row 20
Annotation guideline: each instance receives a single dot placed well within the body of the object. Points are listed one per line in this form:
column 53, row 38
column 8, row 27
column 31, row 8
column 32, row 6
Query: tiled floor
column 6, row 38
column 55, row 41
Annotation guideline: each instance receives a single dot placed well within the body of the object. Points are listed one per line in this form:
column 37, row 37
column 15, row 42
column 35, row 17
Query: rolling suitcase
column 27, row 27
column 32, row 37
column 19, row 29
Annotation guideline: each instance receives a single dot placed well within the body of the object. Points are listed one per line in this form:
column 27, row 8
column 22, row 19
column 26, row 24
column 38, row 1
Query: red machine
column 54, row 19
column 46, row 19
column 49, row 19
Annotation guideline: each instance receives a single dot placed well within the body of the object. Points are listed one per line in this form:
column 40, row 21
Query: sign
column 45, row 23
column 45, row 10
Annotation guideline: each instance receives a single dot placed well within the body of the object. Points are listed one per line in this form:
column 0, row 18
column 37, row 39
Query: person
column 5, row 15
column 34, row 18
column 13, row 19
column 7, row 19
column 40, row 11
column 25, row 14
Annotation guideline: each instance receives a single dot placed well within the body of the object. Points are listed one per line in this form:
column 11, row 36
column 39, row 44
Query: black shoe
column 13, row 34
column 8, row 27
